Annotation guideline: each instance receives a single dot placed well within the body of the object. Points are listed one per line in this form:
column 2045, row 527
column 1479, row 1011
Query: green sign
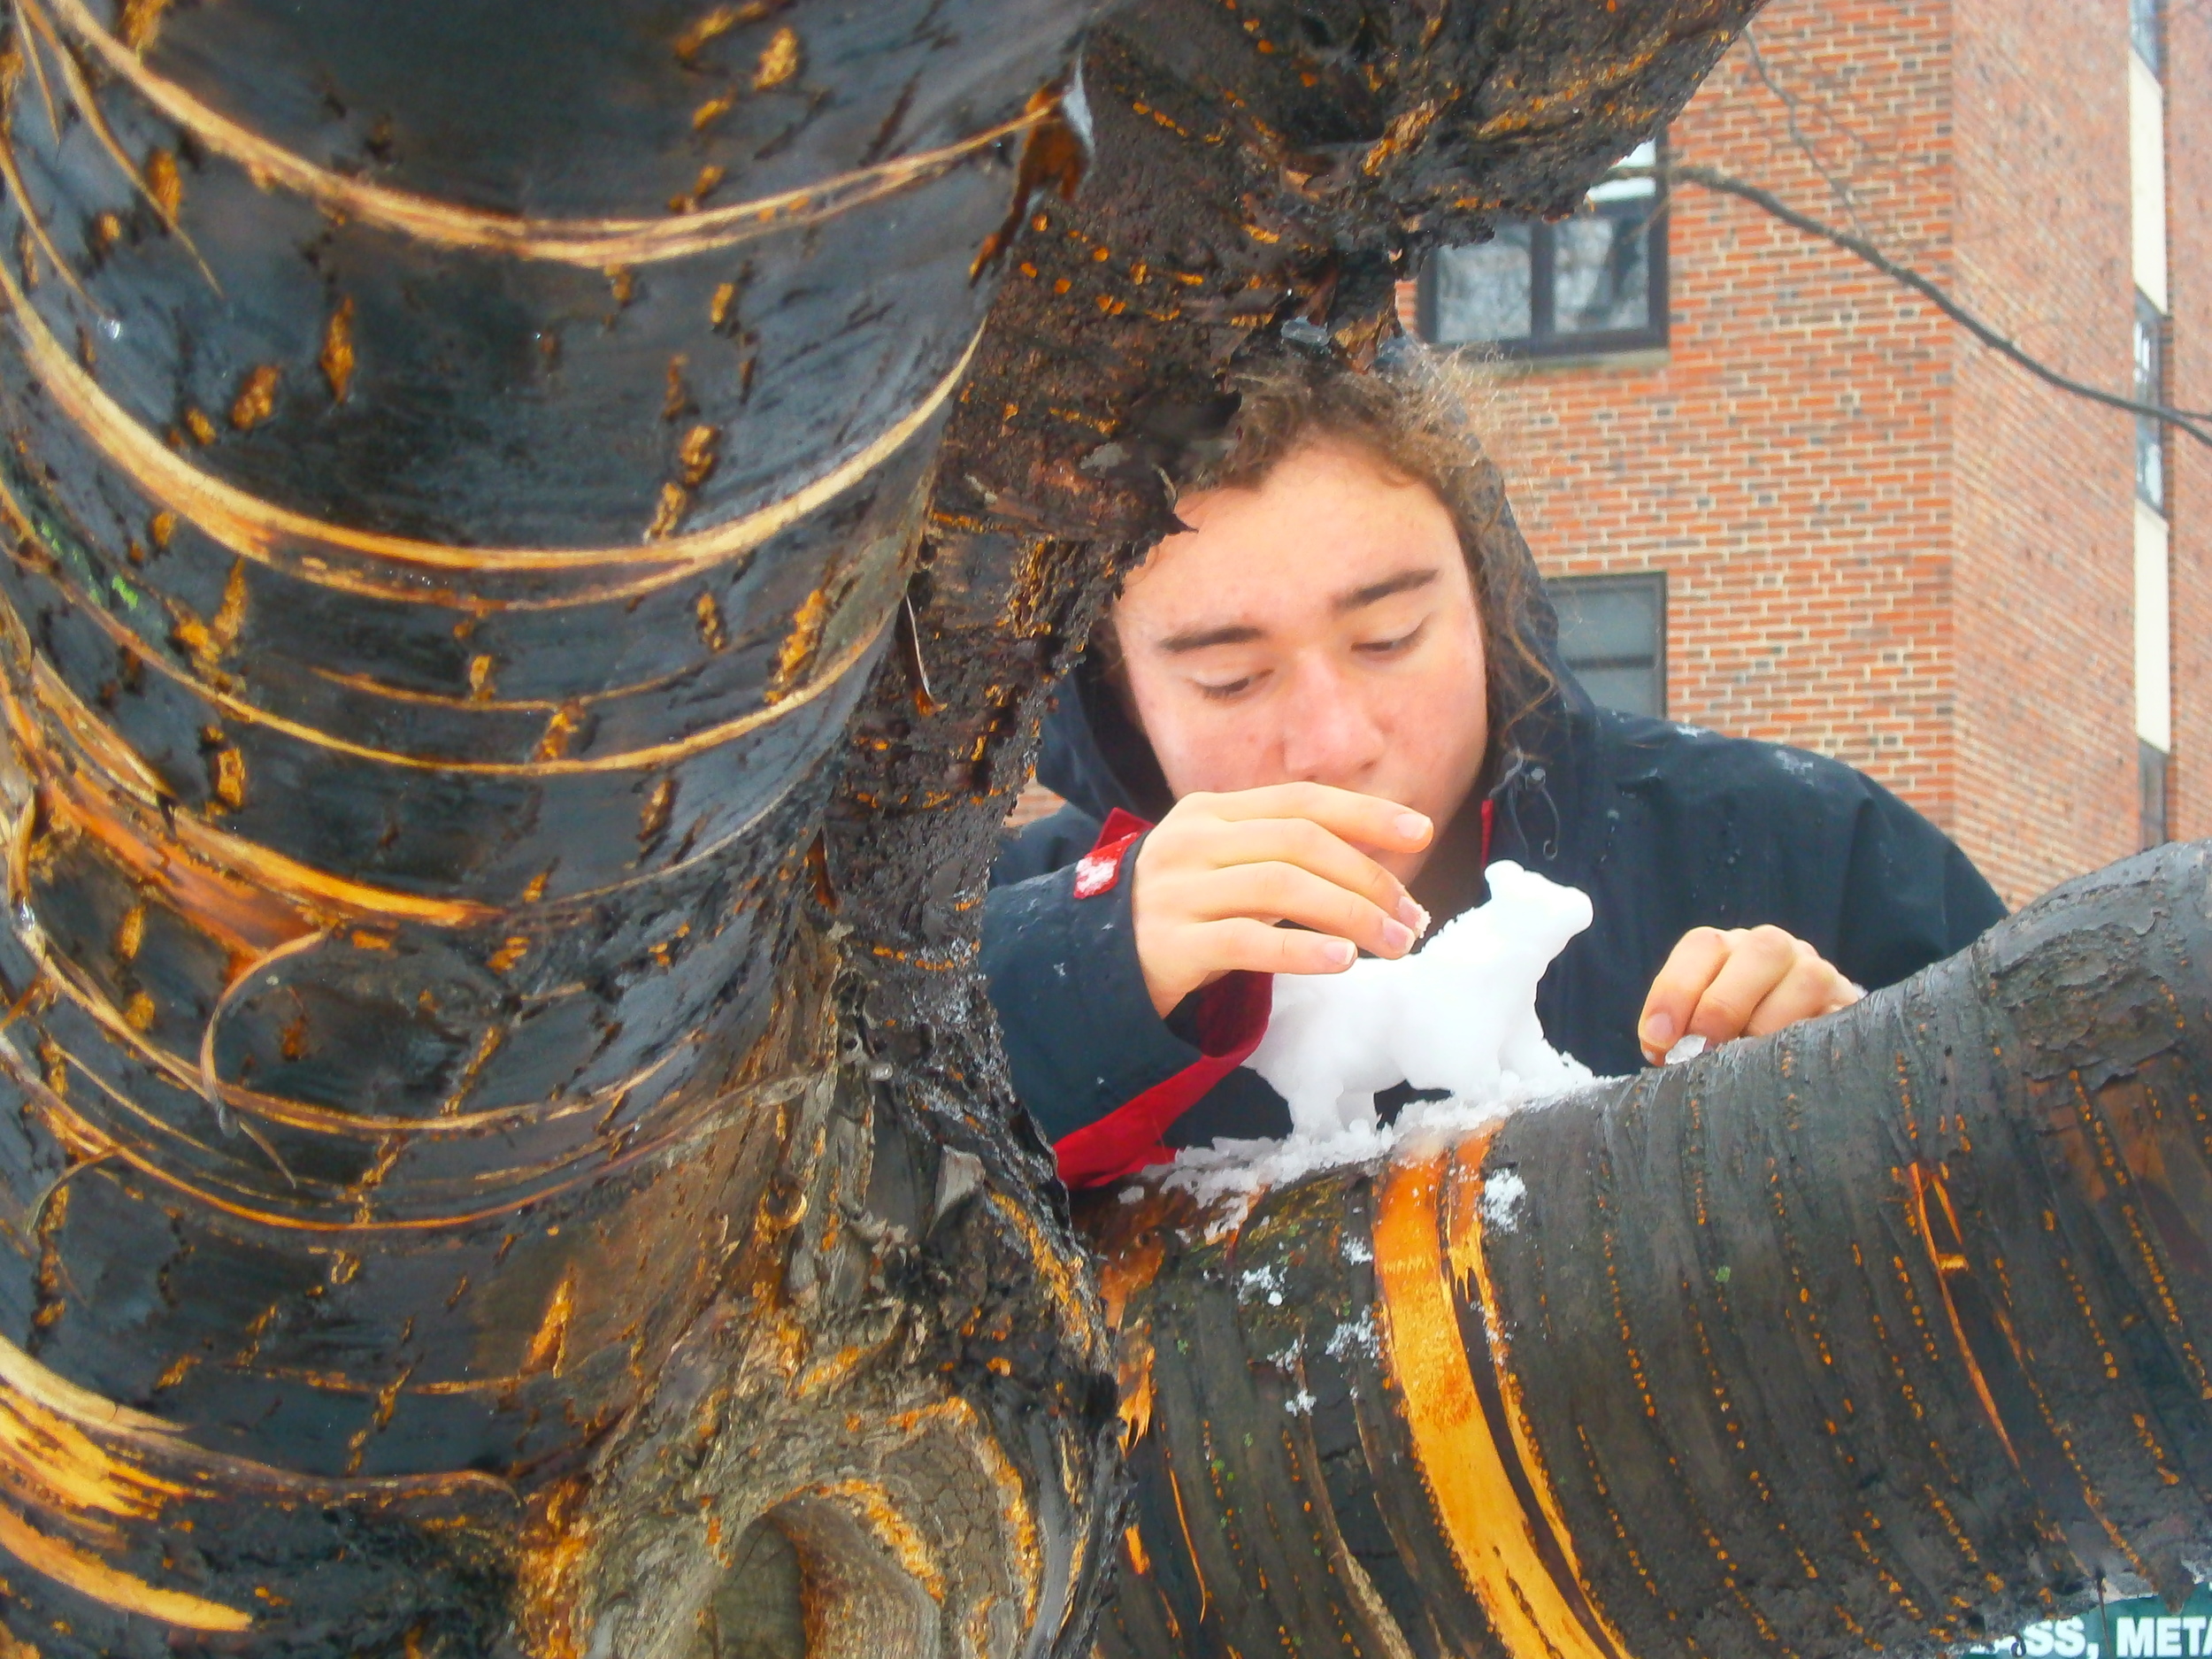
column 2119, row 1630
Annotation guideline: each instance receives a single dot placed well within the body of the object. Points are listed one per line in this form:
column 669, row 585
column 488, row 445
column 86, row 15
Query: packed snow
column 1457, row 1016
column 1503, row 1195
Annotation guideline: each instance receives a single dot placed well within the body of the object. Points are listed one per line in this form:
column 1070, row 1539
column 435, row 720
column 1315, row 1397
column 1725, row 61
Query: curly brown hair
column 1413, row 411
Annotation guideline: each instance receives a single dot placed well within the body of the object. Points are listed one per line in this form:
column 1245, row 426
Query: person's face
column 1320, row 628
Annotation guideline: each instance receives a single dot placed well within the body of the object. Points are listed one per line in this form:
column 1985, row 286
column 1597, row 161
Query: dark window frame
column 1653, row 582
column 2153, row 778
column 2154, row 470
column 2146, row 34
column 1544, row 339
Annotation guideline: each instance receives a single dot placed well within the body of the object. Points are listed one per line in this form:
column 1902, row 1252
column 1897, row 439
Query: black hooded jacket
column 1666, row 827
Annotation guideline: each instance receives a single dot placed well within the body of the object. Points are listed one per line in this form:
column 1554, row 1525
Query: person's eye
column 1227, row 690
column 1395, row 645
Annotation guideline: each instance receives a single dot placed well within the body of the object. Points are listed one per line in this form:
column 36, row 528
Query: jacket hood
column 1094, row 756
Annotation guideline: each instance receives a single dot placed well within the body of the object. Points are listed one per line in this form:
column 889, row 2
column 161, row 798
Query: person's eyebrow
column 1200, row 639
column 1401, row 583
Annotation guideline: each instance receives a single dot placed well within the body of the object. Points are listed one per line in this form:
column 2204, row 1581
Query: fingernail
column 1412, row 915
column 1658, row 1030
column 1397, row 937
column 1412, row 825
column 1339, row 952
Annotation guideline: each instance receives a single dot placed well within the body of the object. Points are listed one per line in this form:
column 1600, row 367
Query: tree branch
column 1788, row 100
column 2197, row 424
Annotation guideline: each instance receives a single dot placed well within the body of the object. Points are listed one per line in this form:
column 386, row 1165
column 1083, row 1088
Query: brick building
column 1782, row 497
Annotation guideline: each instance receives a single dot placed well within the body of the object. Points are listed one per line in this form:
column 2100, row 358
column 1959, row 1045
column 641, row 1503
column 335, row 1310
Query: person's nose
column 1329, row 734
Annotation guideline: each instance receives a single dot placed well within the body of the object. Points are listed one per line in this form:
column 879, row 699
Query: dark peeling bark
column 1885, row 1333
column 502, row 1149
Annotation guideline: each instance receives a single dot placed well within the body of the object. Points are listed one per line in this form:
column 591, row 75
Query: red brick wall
column 2189, row 222
column 1880, row 542
column 1787, row 465
column 2046, row 491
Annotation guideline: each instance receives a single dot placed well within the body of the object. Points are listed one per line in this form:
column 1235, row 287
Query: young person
column 1331, row 702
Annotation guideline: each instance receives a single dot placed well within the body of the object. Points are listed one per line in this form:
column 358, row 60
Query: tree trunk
column 455, row 526
column 485, row 1169
column 1885, row 1333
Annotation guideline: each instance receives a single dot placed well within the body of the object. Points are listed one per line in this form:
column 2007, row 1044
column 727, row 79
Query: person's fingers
column 1283, row 892
column 1741, row 983
column 1302, row 843
column 1811, row 989
column 1696, row 957
column 1813, row 986
column 1758, row 961
column 1241, row 942
column 1367, row 819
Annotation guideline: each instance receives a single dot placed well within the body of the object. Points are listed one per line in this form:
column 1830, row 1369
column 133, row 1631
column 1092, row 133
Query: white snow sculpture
column 1459, row 1015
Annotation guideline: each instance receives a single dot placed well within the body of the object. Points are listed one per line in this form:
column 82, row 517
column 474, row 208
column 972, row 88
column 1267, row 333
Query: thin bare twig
column 2196, row 423
column 46, row 1198
column 1837, row 187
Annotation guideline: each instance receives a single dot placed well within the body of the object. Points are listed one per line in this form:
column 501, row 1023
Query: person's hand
column 1219, row 870
column 1745, row 982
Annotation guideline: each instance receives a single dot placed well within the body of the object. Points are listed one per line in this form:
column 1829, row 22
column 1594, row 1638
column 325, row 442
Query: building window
column 2143, row 33
column 2150, row 771
column 1613, row 638
column 1595, row 281
column 2150, row 388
